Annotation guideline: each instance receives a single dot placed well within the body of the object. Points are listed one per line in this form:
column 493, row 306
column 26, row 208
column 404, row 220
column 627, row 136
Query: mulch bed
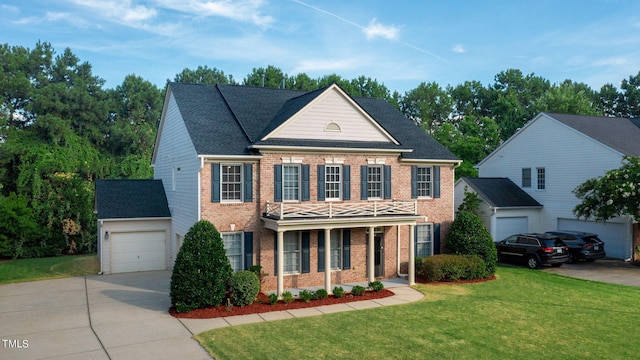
column 262, row 305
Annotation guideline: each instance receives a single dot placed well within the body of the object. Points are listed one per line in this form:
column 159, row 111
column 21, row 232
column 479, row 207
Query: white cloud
column 120, row 11
column 375, row 29
column 244, row 10
column 316, row 65
column 458, row 49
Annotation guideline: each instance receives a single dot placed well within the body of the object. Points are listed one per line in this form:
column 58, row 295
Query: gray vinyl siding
column 176, row 151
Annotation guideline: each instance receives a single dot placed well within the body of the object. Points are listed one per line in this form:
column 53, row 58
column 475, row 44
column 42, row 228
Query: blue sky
column 400, row 43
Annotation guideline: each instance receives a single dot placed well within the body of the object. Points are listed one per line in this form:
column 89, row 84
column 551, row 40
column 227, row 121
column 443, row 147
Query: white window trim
column 430, row 225
column 299, row 182
column 233, row 201
column 381, row 168
column 544, row 179
column 430, row 183
column 241, row 246
column 339, row 182
column 522, row 178
column 339, row 248
column 299, row 270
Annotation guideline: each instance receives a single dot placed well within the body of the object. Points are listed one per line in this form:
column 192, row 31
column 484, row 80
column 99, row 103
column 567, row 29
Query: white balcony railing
column 283, row 211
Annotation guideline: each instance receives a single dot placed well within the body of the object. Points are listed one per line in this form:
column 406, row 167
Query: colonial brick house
column 319, row 188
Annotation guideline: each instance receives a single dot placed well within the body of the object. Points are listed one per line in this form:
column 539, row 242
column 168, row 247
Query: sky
column 400, row 43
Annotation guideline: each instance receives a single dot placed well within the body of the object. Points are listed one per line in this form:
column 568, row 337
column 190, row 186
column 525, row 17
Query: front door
column 378, row 242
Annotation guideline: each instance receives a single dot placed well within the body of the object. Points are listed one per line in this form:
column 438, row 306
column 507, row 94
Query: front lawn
column 12, row 271
column 523, row 314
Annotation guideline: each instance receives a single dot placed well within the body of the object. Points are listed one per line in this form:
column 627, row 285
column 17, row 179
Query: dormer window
column 332, row 126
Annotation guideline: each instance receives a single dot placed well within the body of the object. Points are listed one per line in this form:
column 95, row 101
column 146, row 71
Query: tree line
column 60, row 129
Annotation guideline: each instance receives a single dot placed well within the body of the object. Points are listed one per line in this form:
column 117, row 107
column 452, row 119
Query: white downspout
column 200, row 188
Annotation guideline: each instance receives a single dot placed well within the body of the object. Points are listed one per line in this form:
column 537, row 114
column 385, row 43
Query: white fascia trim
column 455, row 163
column 210, row 158
column 319, row 149
column 135, row 219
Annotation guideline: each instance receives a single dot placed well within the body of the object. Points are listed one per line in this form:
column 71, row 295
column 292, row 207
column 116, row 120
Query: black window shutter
column 387, row 181
column 364, row 194
column 215, row 182
column 346, row 249
column 320, row 250
column 414, row 182
column 436, row 181
column 275, row 253
column 320, row 182
column 304, row 169
column 346, row 182
column 248, row 182
column 277, row 183
column 306, row 254
column 436, row 239
column 248, row 250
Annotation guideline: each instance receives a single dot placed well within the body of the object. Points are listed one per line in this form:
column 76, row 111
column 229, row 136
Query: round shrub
column 358, row 290
column 468, row 236
column 321, row 294
column 448, row 267
column 244, row 287
column 338, row 292
column 376, row 286
column 201, row 271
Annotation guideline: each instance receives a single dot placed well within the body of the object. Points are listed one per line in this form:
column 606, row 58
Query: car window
column 527, row 241
column 511, row 240
column 591, row 239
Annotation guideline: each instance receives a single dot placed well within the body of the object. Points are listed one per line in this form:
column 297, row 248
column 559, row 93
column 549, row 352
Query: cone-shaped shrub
column 202, row 270
column 468, row 236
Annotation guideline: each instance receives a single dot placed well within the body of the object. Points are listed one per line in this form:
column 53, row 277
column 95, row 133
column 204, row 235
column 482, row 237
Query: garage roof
column 129, row 199
column 501, row 192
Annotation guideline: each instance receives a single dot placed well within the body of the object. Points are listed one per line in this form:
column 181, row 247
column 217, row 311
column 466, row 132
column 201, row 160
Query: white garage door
column 138, row 251
column 506, row 226
column 614, row 235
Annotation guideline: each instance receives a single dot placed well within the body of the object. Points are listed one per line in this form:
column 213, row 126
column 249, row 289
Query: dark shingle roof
column 501, row 192
column 128, row 199
column 242, row 115
column 621, row 134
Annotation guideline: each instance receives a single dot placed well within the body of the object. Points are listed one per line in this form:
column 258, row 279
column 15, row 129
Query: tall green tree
column 631, row 96
column 428, row 105
column 270, row 76
column 204, row 75
column 567, row 98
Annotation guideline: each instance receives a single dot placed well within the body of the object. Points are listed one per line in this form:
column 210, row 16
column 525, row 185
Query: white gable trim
column 331, row 89
column 328, row 149
column 167, row 98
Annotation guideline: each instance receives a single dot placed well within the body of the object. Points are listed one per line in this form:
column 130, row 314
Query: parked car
column 582, row 245
column 533, row 249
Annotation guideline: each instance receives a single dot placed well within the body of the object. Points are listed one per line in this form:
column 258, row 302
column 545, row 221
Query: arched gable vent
column 332, row 126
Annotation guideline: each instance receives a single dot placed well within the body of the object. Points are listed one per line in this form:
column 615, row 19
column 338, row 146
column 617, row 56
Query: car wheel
column 532, row 262
column 572, row 259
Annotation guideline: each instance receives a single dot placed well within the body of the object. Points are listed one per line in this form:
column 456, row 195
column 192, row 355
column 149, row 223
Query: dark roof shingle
column 501, row 192
column 128, row 199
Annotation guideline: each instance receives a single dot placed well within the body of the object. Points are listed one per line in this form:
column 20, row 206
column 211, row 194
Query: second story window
column 374, row 182
column 424, row 181
column 231, row 183
column 333, row 182
column 541, row 179
column 290, row 182
column 526, row 177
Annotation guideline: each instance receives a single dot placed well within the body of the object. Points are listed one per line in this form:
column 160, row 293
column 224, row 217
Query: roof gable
column 501, row 192
column 130, row 199
column 328, row 115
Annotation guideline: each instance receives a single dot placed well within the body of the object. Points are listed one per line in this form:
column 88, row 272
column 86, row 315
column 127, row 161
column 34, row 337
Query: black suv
column 533, row 249
column 582, row 245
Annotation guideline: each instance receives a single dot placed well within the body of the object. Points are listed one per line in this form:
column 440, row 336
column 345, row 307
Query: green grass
column 21, row 270
column 524, row 314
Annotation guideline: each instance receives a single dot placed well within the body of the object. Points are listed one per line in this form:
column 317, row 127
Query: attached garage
column 134, row 223
column 506, row 226
column 616, row 236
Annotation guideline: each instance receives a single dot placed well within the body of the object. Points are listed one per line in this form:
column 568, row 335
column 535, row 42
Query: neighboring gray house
column 554, row 153
column 505, row 209
column 134, row 223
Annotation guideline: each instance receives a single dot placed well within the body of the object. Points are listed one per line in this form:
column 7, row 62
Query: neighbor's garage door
column 506, row 226
column 138, row 251
column 614, row 235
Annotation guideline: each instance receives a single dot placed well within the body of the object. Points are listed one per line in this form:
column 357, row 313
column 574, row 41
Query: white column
column 412, row 255
column 280, row 264
column 327, row 260
column 371, row 255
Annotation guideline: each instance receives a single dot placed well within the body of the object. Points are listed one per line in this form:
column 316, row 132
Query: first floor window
column 541, row 179
column 333, row 181
column 292, row 249
column 336, row 249
column 424, row 181
column 231, row 182
column 424, row 240
column 526, row 177
column 233, row 246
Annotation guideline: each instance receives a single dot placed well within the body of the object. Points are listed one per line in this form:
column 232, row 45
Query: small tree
column 468, row 236
column 471, row 202
column 202, row 270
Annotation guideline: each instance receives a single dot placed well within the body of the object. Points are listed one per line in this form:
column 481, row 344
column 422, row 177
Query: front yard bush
column 244, row 287
column 358, row 290
column 468, row 236
column 447, row 267
column 376, row 286
column 202, row 270
column 338, row 292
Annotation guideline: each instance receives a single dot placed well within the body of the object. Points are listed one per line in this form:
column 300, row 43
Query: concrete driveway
column 610, row 271
column 121, row 316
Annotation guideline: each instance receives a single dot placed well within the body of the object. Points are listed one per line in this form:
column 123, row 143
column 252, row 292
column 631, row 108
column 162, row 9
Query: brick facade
column 246, row 216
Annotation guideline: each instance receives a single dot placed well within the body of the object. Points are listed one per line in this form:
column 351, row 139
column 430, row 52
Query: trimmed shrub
column 287, row 297
column 376, row 286
column 202, row 270
column 358, row 290
column 244, row 287
column 468, row 236
column 338, row 292
column 447, row 267
column 305, row 295
column 322, row 294
column 273, row 298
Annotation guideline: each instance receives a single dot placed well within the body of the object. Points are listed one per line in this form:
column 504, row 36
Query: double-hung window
column 336, row 249
column 374, row 182
column 233, row 246
column 290, row 182
column 292, row 252
column 424, row 181
column 231, row 182
column 424, row 240
column 526, row 177
column 333, row 182
column 541, row 179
